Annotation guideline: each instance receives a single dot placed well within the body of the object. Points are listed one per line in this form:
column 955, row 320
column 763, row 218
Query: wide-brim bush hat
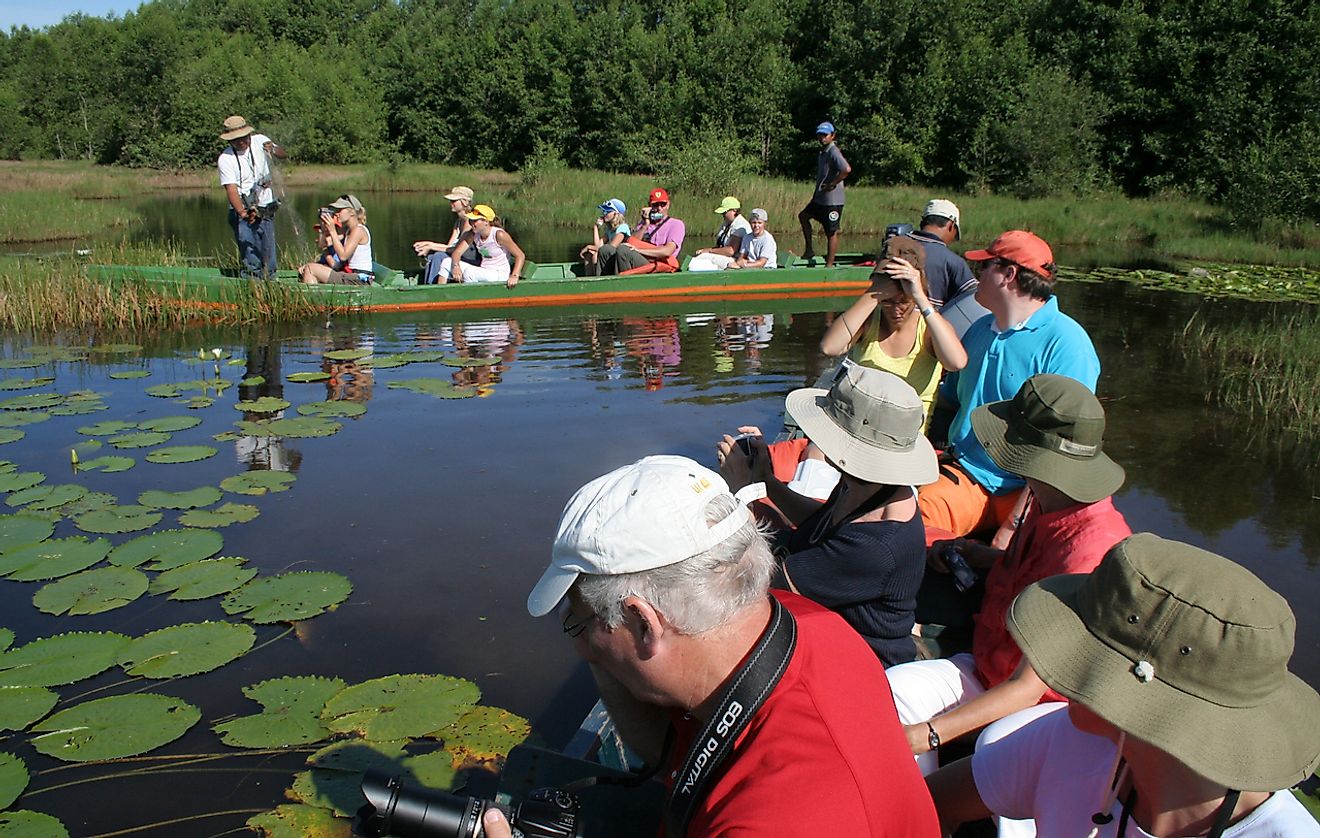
column 1183, row 649
column 459, row 193
column 1053, row 431
column 869, row 425
column 236, row 127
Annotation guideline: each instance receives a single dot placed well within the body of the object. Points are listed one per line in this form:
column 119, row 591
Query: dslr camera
column 394, row 809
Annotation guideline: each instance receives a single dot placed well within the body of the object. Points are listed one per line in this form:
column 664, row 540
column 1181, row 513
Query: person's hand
column 734, row 266
column 512, row 281
column 495, row 825
column 736, row 467
column 933, row 558
column 600, row 222
column 918, row 737
column 457, row 274
column 268, row 147
column 1004, row 534
column 884, row 287
column 907, row 276
column 423, row 248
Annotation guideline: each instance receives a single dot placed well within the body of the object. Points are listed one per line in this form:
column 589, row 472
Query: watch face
column 934, row 739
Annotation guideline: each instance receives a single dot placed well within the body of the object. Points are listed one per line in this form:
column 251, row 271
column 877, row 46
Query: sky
column 40, row 13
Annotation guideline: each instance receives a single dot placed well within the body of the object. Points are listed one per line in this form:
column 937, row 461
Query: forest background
column 1211, row 99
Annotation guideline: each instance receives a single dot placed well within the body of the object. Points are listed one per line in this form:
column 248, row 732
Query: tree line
column 1209, row 98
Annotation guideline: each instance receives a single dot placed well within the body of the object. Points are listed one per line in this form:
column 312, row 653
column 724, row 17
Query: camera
column 394, row 809
column 745, row 445
column 963, row 575
column 897, row 230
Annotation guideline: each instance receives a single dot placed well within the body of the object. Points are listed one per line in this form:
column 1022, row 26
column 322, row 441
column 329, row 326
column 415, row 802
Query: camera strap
column 739, row 702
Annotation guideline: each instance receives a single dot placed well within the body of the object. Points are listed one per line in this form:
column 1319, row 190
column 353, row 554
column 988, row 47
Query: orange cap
column 1021, row 248
column 659, row 196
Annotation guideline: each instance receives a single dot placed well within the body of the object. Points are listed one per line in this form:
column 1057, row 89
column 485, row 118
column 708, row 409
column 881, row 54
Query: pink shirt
column 669, row 230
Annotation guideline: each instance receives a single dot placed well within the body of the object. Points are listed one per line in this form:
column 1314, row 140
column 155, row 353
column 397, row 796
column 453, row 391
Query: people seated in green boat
column 757, row 249
column 893, row 325
column 352, row 246
column 494, row 245
column 655, row 244
column 727, row 239
column 610, row 229
column 437, row 253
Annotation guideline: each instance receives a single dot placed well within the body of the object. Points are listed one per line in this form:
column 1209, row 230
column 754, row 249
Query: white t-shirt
column 247, row 169
column 1058, row 775
column 739, row 227
column 760, row 247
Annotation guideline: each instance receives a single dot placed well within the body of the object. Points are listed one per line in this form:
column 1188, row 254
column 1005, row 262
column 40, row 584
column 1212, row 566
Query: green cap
column 727, row 204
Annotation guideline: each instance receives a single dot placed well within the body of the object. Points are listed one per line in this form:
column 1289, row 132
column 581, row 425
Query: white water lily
column 217, row 352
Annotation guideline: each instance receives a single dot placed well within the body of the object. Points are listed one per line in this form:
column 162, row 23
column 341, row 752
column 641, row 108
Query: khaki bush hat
column 1052, row 431
column 459, row 193
column 235, row 127
column 346, row 202
column 1183, row 649
column 869, row 425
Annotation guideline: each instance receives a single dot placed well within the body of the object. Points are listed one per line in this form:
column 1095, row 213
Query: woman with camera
column 345, row 228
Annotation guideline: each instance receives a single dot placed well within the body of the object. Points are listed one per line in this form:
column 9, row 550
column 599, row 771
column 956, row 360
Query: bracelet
column 934, row 738
column 927, row 311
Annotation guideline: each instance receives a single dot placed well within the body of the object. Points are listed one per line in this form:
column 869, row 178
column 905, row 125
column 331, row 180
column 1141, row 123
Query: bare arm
column 1022, row 690
column 738, row 471
column 344, row 246
column 275, row 149
column 519, row 258
column 953, row 788
column 456, row 256
column 235, row 200
column 849, row 327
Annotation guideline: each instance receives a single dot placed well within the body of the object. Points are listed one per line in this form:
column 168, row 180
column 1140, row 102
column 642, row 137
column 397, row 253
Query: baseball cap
column 613, row 205
column 639, row 517
column 459, row 193
column 727, row 204
column 825, row 128
column 481, row 211
column 1020, row 247
column 346, row 202
column 759, row 214
column 941, row 208
column 659, row 196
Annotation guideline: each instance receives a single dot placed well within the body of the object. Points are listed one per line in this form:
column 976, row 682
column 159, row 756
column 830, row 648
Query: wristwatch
column 927, row 311
column 933, row 738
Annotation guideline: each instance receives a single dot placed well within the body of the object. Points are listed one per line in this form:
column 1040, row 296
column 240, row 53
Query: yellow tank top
column 919, row 367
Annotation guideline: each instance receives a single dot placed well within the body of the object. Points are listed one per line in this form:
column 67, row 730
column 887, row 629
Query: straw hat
column 235, row 127
column 1183, row 649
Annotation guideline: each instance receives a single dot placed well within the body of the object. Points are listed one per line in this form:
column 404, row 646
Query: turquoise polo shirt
column 997, row 365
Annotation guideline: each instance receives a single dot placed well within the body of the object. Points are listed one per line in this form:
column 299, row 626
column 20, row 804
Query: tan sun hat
column 235, row 127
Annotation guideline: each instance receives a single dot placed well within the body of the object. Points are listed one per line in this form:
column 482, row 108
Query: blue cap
column 825, row 128
column 613, row 205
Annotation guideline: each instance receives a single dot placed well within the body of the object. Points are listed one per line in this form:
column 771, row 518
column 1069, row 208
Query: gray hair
column 699, row 593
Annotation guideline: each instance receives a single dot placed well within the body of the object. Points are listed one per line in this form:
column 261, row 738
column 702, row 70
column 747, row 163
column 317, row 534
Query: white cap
column 640, row 517
column 943, row 209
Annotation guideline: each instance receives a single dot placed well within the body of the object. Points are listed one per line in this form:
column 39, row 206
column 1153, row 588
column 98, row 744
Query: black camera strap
column 739, row 702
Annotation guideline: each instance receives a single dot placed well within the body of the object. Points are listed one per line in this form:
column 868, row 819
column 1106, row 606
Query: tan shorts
column 346, row 278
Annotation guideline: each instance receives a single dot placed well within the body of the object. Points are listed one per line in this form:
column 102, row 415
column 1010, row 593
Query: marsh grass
column 36, row 216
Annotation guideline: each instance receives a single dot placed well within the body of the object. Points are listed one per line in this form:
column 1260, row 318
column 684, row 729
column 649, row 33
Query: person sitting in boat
column 1052, row 434
column 352, row 246
column 610, row 229
column 894, row 326
column 323, row 239
column 727, row 240
column 757, row 249
column 437, row 253
column 661, row 577
column 1183, row 718
column 655, row 243
column 861, row 552
column 494, row 245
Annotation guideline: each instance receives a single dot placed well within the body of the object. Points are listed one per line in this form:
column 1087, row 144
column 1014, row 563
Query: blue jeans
column 256, row 245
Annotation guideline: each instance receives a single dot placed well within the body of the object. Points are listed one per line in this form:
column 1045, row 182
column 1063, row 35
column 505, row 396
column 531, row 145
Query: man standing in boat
column 245, row 174
column 662, row 578
column 654, row 245
column 827, row 201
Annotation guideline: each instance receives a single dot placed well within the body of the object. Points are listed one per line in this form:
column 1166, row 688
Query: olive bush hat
column 1183, row 649
column 869, row 424
column 1053, row 431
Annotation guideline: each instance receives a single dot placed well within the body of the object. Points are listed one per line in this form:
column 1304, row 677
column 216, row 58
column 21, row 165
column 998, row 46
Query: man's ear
column 646, row 625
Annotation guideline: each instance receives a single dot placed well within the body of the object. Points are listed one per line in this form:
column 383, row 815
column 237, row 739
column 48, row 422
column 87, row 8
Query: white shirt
column 247, row 169
column 760, row 247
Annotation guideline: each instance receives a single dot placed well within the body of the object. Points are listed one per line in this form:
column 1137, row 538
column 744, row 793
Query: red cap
column 659, row 196
column 1021, row 248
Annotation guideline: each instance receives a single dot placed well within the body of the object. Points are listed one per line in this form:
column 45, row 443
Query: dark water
column 442, row 512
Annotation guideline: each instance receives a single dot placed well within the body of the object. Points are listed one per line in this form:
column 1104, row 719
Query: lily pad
column 346, row 354
column 227, row 436
column 87, row 503
column 202, row 579
column 87, row 446
column 168, row 549
column 252, row 381
column 115, row 348
column 235, row 362
column 460, row 361
column 114, row 727
column 52, row 558
column 139, row 439
column 306, row 377
column 17, row 481
column 107, row 428
column 338, row 791
column 294, row 820
column 6, row 638
column 127, row 375
column 39, row 498
column 335, row 408
column 358, row 755
column 201, row 496
column 21, row 363
column 20, row 707
column 79, row 408
column 20, row 529
column 62, row 659
column 221, row 516
column 22, row 823
column 291, row 713
column 197, row 402
column 92, row 591
column 300, row 428
column 108, row 464
column 485, row 733
column 258, row 482
column 383, row 362
column 436, row 770
column 265, row 404
column 8, row 435
column 19, row 420
column 112, row 519
column 170, row 424
column 182, row 454
column 13, row 778
column 288, row 597
column 187, row 649
column 441, row 388
column 32, row 401
column 164, row 391
column 24, row 383
column 400, row 706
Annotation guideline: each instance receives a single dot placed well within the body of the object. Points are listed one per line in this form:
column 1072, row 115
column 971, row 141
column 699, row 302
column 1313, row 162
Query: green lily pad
column 306, row 377
column 187, row 649
column 439, row 387
column 107, row 428
column 22, row 823
column 258, row 482
column 291, row 713
column 139, row 439
column 18, row 529
column 32, row 401
column 17, row 481
column 115, row 348
column 197, row 402
column 92, row 591
column 87, row 446
column 24, row 383
column 21, row 363
column 20, row 707
column 221, row 516
column 235, row 362
column 265, row 404
column 12, row 419
column 383, row 362
column 53, row 353
column 62, row 659
column 300, row 428
column 170, row 424
column 346, row 354
column 127, row 375
column 436, row 770
column 201, row 496
column 164, row 391
column 202, row 579
column 8, row 435
column 400, row 706
column 112, row 519
column 288, row 597
column 79, row 408
column 6, row 638
column 108, row 464
column 39, row 498
column 460, row 361
column 182, row 454
column 358, row 755
column 252, row 381
column 168, row 549
column 336, row 408
column 87, row 503
column 52, row 558
column 226, row 436
column 338, row 791
column 13, row 778
column 292, row 820
column 114, row 727
column 485, row 733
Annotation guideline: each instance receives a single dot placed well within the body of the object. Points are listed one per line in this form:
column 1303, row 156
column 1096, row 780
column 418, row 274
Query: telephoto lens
column 394, row 809
column 963, row 576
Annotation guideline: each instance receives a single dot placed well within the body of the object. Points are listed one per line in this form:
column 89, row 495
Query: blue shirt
column 997, row 365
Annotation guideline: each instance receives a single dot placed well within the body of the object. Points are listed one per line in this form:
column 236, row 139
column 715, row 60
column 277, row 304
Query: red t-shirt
column 1072, row 540
column 825, row 754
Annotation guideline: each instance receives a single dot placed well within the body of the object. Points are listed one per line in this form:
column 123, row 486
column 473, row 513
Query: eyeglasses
column 575, row 629
column 1001, row 264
